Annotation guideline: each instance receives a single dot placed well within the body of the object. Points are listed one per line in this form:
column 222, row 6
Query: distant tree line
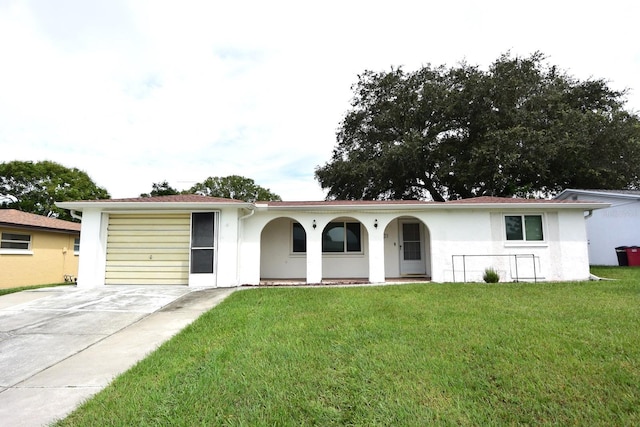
column 35, row 187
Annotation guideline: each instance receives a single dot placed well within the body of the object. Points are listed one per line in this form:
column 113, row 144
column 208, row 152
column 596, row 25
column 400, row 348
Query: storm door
column 202, row 264
column 412, row 254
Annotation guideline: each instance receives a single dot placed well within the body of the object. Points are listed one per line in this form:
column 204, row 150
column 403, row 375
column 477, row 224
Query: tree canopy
column 161, row 189
column 35, row 187
column 233, row 187
column 522, row 127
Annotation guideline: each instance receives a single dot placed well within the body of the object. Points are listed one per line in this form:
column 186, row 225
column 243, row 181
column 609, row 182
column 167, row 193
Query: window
column 524, row 227
column 337, row 237
column 15, row 241
column 299, row 238
column 202, row 242
column 76, row 245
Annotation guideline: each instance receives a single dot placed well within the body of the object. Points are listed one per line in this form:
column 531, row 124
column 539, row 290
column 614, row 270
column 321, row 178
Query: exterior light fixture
column 375, row 223
column 314, row 224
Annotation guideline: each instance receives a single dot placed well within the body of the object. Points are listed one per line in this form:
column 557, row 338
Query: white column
column 376, row 255
column 93, row 246
column 314, row 253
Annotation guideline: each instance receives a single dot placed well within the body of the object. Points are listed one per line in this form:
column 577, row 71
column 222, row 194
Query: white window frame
column 524, row 240
column 15, row 251
column 292, row 251
column 76, row 246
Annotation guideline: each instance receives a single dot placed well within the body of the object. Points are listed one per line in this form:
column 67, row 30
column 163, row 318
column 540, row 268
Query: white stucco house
column 198, row 241
column 615, row 226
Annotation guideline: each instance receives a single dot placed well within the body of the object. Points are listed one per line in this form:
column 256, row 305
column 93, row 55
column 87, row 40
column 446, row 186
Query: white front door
column 412, row 253
column 204, row 239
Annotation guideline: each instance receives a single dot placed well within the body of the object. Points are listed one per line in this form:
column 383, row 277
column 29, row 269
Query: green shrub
column 490, row 275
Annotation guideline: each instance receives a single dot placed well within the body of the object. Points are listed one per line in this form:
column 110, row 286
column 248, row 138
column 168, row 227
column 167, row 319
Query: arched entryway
column 407, row 248
column 283, row 254
column 345, row 250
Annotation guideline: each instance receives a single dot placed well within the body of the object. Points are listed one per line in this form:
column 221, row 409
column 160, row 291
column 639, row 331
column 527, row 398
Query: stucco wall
column 609, row 228
column 255, row 245
column 51, row 259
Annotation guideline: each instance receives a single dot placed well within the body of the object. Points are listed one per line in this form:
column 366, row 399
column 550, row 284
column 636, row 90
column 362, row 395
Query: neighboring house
column 617, row 225
column 36, row 250
column 203, row 241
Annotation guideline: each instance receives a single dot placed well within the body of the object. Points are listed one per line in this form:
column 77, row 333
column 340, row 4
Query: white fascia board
column 532, row 206
column 565, row 194
column 151, row 206
column 438, row 206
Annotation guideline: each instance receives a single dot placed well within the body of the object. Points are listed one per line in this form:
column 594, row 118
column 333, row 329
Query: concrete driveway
column 59, row 346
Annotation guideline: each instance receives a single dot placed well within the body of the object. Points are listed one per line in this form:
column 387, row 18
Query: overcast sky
column 141, row 91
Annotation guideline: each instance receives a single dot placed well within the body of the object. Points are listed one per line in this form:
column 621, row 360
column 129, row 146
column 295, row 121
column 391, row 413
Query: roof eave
column 565, row 194
column 533, row 205
column 137, row 206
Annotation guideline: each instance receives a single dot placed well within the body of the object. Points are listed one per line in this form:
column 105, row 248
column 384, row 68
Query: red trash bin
column 633, row 255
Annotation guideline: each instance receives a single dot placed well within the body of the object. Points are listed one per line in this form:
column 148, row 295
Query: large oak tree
column 522, row 127
column 36, row 186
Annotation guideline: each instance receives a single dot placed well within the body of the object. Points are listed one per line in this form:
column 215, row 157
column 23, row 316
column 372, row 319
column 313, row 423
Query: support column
column 314, row 254
column 93, row 246
column 376, row 256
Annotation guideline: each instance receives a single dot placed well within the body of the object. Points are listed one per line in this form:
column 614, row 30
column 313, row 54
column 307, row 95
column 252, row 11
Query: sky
column 136, row 92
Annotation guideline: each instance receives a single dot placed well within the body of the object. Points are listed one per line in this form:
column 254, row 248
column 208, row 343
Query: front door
column 412, row 254
column 202, row 263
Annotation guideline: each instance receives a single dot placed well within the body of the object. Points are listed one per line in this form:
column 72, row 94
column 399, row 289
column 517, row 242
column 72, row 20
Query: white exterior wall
column 258, row 245
column 93, row 247
column 609, row 228
column 227, row 254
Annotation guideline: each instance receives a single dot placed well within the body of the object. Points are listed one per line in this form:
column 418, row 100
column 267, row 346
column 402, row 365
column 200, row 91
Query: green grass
column 28, row 288
column 409, row 355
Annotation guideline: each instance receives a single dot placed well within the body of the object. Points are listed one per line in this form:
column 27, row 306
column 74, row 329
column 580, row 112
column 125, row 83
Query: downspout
column 74, row 215
column 240, row 235
column 589, row 214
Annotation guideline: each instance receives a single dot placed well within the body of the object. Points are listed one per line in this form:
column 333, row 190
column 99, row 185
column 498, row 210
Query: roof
column 625, row 194
column 192, row 201
column 16, row 218
column 470, row 203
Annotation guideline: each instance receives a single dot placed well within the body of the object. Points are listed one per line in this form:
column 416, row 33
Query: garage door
column 148, row 249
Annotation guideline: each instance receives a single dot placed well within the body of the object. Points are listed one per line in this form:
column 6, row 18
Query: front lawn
column 6, row 291
column 444, row 354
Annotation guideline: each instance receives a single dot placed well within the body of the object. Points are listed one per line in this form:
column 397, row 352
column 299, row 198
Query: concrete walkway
column 59, row 346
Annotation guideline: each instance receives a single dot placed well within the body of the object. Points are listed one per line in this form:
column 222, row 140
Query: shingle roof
column 16, row 218
column 509, row 200
column 469, row 201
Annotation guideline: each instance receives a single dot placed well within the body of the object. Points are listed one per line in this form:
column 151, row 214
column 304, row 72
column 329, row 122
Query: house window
column 76, row 245
column 15, row 241
column 299, row 238
column 203, row 242
column 524, row 227
column 337, row 237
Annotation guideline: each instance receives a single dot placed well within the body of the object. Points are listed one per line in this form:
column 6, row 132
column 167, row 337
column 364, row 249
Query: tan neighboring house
column 37, row 250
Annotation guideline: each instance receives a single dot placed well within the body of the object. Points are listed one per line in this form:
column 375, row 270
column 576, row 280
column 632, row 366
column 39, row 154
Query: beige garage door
column 148, row 249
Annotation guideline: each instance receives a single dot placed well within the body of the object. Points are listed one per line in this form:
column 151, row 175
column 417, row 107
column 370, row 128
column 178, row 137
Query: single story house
column 615, row 226
column 203, row 241
column 36, row 250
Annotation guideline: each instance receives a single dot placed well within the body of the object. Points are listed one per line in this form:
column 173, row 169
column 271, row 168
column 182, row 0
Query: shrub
column 490, row 275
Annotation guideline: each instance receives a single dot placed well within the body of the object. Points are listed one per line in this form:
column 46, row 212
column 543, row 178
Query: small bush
column 491, row 275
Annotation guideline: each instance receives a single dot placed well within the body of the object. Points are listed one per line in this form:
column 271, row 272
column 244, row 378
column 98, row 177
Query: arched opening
column 345, row 250
column 407, row 248
column 283, row 254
